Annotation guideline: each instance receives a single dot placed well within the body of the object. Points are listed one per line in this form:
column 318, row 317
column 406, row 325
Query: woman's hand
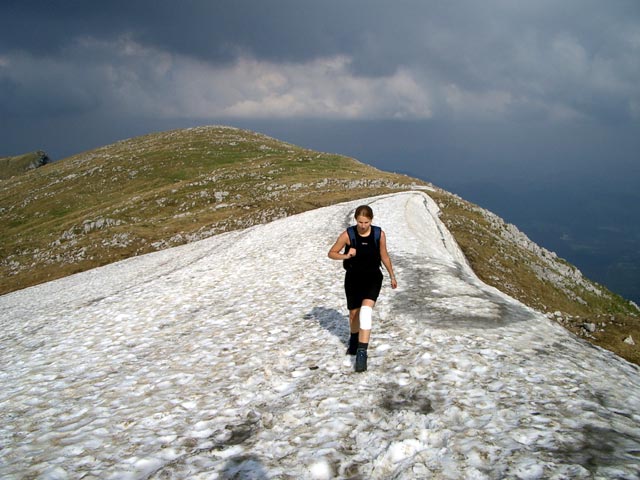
column 394, row 283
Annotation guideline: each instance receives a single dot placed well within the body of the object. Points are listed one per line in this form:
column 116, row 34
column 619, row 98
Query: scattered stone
column 589, row 327
column 629, row 340
column 99, row 224
column 220, row 196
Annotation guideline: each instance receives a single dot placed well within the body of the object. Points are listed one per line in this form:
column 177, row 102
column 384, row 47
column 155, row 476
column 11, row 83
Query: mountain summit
column 225, row 358
column 161, row 190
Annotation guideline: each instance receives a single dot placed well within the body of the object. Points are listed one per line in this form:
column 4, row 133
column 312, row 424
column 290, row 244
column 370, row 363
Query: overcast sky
column 440, row 90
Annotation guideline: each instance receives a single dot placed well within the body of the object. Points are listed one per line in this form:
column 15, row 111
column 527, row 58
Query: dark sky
column 497, row 62
column 498, row 100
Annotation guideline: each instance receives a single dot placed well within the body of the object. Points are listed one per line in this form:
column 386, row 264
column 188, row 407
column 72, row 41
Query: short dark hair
column 364, row 210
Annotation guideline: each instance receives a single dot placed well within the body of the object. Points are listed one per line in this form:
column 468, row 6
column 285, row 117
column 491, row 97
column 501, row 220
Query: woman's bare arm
column 334, row 252
column 386, row 260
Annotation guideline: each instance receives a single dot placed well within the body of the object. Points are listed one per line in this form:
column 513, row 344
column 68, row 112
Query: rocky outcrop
column 40, row 159
column 14, row 166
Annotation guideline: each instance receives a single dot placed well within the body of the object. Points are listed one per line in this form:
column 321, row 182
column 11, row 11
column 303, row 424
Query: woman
column 363, row 278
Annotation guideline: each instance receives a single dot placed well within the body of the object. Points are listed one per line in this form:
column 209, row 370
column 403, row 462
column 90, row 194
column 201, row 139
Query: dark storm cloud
column 497, row 60
column 214, row 31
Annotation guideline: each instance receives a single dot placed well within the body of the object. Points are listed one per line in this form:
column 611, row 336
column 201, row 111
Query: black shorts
column 361, row 286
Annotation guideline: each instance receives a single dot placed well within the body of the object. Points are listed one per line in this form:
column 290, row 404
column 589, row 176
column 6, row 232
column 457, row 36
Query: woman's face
column 364, row 223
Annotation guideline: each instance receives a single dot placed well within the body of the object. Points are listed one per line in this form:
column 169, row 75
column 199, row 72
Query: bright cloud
column 323, row 88
column 130, row 78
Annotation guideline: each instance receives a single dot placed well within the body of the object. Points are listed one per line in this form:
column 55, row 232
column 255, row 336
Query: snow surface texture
column 225, row 358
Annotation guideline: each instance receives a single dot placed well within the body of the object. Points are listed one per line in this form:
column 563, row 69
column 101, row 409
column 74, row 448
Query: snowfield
column 226, row 359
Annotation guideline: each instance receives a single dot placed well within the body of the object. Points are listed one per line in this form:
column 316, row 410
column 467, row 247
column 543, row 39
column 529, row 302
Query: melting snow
column 225, row 359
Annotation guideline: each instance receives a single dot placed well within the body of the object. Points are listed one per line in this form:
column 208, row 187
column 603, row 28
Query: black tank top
column 367, row 257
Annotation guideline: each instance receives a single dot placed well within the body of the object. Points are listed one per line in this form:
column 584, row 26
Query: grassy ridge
column 169, row 188
column 163, row 190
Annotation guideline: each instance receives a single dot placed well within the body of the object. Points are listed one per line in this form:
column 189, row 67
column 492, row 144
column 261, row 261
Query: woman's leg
column 371, row 291
column 354, row 320
column 365, row 333
column 354, row 329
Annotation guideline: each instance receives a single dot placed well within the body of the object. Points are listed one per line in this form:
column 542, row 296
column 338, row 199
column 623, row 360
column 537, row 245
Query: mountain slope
column 505, row 258
column 169, row 188
column 161, row 190
column 225, row 359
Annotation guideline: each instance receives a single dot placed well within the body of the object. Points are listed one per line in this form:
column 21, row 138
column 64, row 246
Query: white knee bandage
column 365, row 317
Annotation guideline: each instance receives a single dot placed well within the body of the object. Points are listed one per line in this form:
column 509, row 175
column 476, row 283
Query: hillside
column 163, row 190
column 170, row 188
